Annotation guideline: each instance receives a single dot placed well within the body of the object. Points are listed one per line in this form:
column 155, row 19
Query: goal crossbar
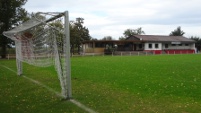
column 35, row 22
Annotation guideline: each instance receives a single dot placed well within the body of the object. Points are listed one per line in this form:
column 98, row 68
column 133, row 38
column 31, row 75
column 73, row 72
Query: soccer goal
column 44, row 40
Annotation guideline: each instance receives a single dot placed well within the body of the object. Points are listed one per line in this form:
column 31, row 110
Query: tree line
column 14, row 15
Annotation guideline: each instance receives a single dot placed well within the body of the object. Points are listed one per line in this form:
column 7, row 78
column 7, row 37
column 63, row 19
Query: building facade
column 155, row 44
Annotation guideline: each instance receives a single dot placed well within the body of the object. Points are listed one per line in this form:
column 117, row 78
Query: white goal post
column 44, row 40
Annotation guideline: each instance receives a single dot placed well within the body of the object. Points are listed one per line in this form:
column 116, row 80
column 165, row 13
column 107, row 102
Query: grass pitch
column 122, row 84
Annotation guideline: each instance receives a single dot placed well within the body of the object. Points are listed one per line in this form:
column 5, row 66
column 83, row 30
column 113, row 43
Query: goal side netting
column 44, row 41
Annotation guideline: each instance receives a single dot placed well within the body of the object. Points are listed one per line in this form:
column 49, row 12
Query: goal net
column 44, row 41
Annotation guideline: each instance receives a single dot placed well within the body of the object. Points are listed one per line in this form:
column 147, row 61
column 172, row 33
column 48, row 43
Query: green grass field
column 119, row 84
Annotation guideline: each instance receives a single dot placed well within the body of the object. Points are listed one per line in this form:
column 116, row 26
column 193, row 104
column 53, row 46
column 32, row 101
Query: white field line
column 40, row 84
column 8, row 68
column 82, row 106
column 53, row 91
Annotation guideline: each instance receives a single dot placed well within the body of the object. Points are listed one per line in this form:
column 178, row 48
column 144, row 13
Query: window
column 173, row 44
column 180, row 44
column 99, row 45
column 140, row 46
column 150, row 45
column 156, row 45
column 166, row 45
column 186, row 44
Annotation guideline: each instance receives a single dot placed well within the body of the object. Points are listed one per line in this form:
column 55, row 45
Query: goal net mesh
column 41, row 42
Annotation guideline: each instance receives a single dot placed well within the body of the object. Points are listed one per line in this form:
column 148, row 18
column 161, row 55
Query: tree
column 197, row 42
column 94, row 39
column 12, row 14
column 107, row 38
column 58, row 25
column 139, row 31
column 131, row 32
column 78, row 34
column 177, row 32
column 122, row 38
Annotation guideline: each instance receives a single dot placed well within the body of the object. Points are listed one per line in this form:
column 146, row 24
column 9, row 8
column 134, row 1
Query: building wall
column 94, row 50
column 153, row 46
column 164, row 46
column 178, row 46
column 192, row 46
column 89, row 48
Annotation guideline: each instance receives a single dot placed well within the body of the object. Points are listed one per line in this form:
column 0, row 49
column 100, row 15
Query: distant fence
column 10, row 56
column 139, row 53
column 10, row 53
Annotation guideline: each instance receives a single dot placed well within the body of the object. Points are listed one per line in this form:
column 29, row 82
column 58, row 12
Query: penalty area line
column 82, row 106
column 34, row 81
column 77, row 103
column 8, row 68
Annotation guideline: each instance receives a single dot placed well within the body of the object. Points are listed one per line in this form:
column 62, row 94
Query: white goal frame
column 65, row 79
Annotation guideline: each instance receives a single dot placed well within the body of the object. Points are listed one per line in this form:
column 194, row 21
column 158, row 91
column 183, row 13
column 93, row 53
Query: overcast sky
column 112, row 17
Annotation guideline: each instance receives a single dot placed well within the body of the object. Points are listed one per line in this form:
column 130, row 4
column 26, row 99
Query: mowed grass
column 121, row 84
column 20, row 95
